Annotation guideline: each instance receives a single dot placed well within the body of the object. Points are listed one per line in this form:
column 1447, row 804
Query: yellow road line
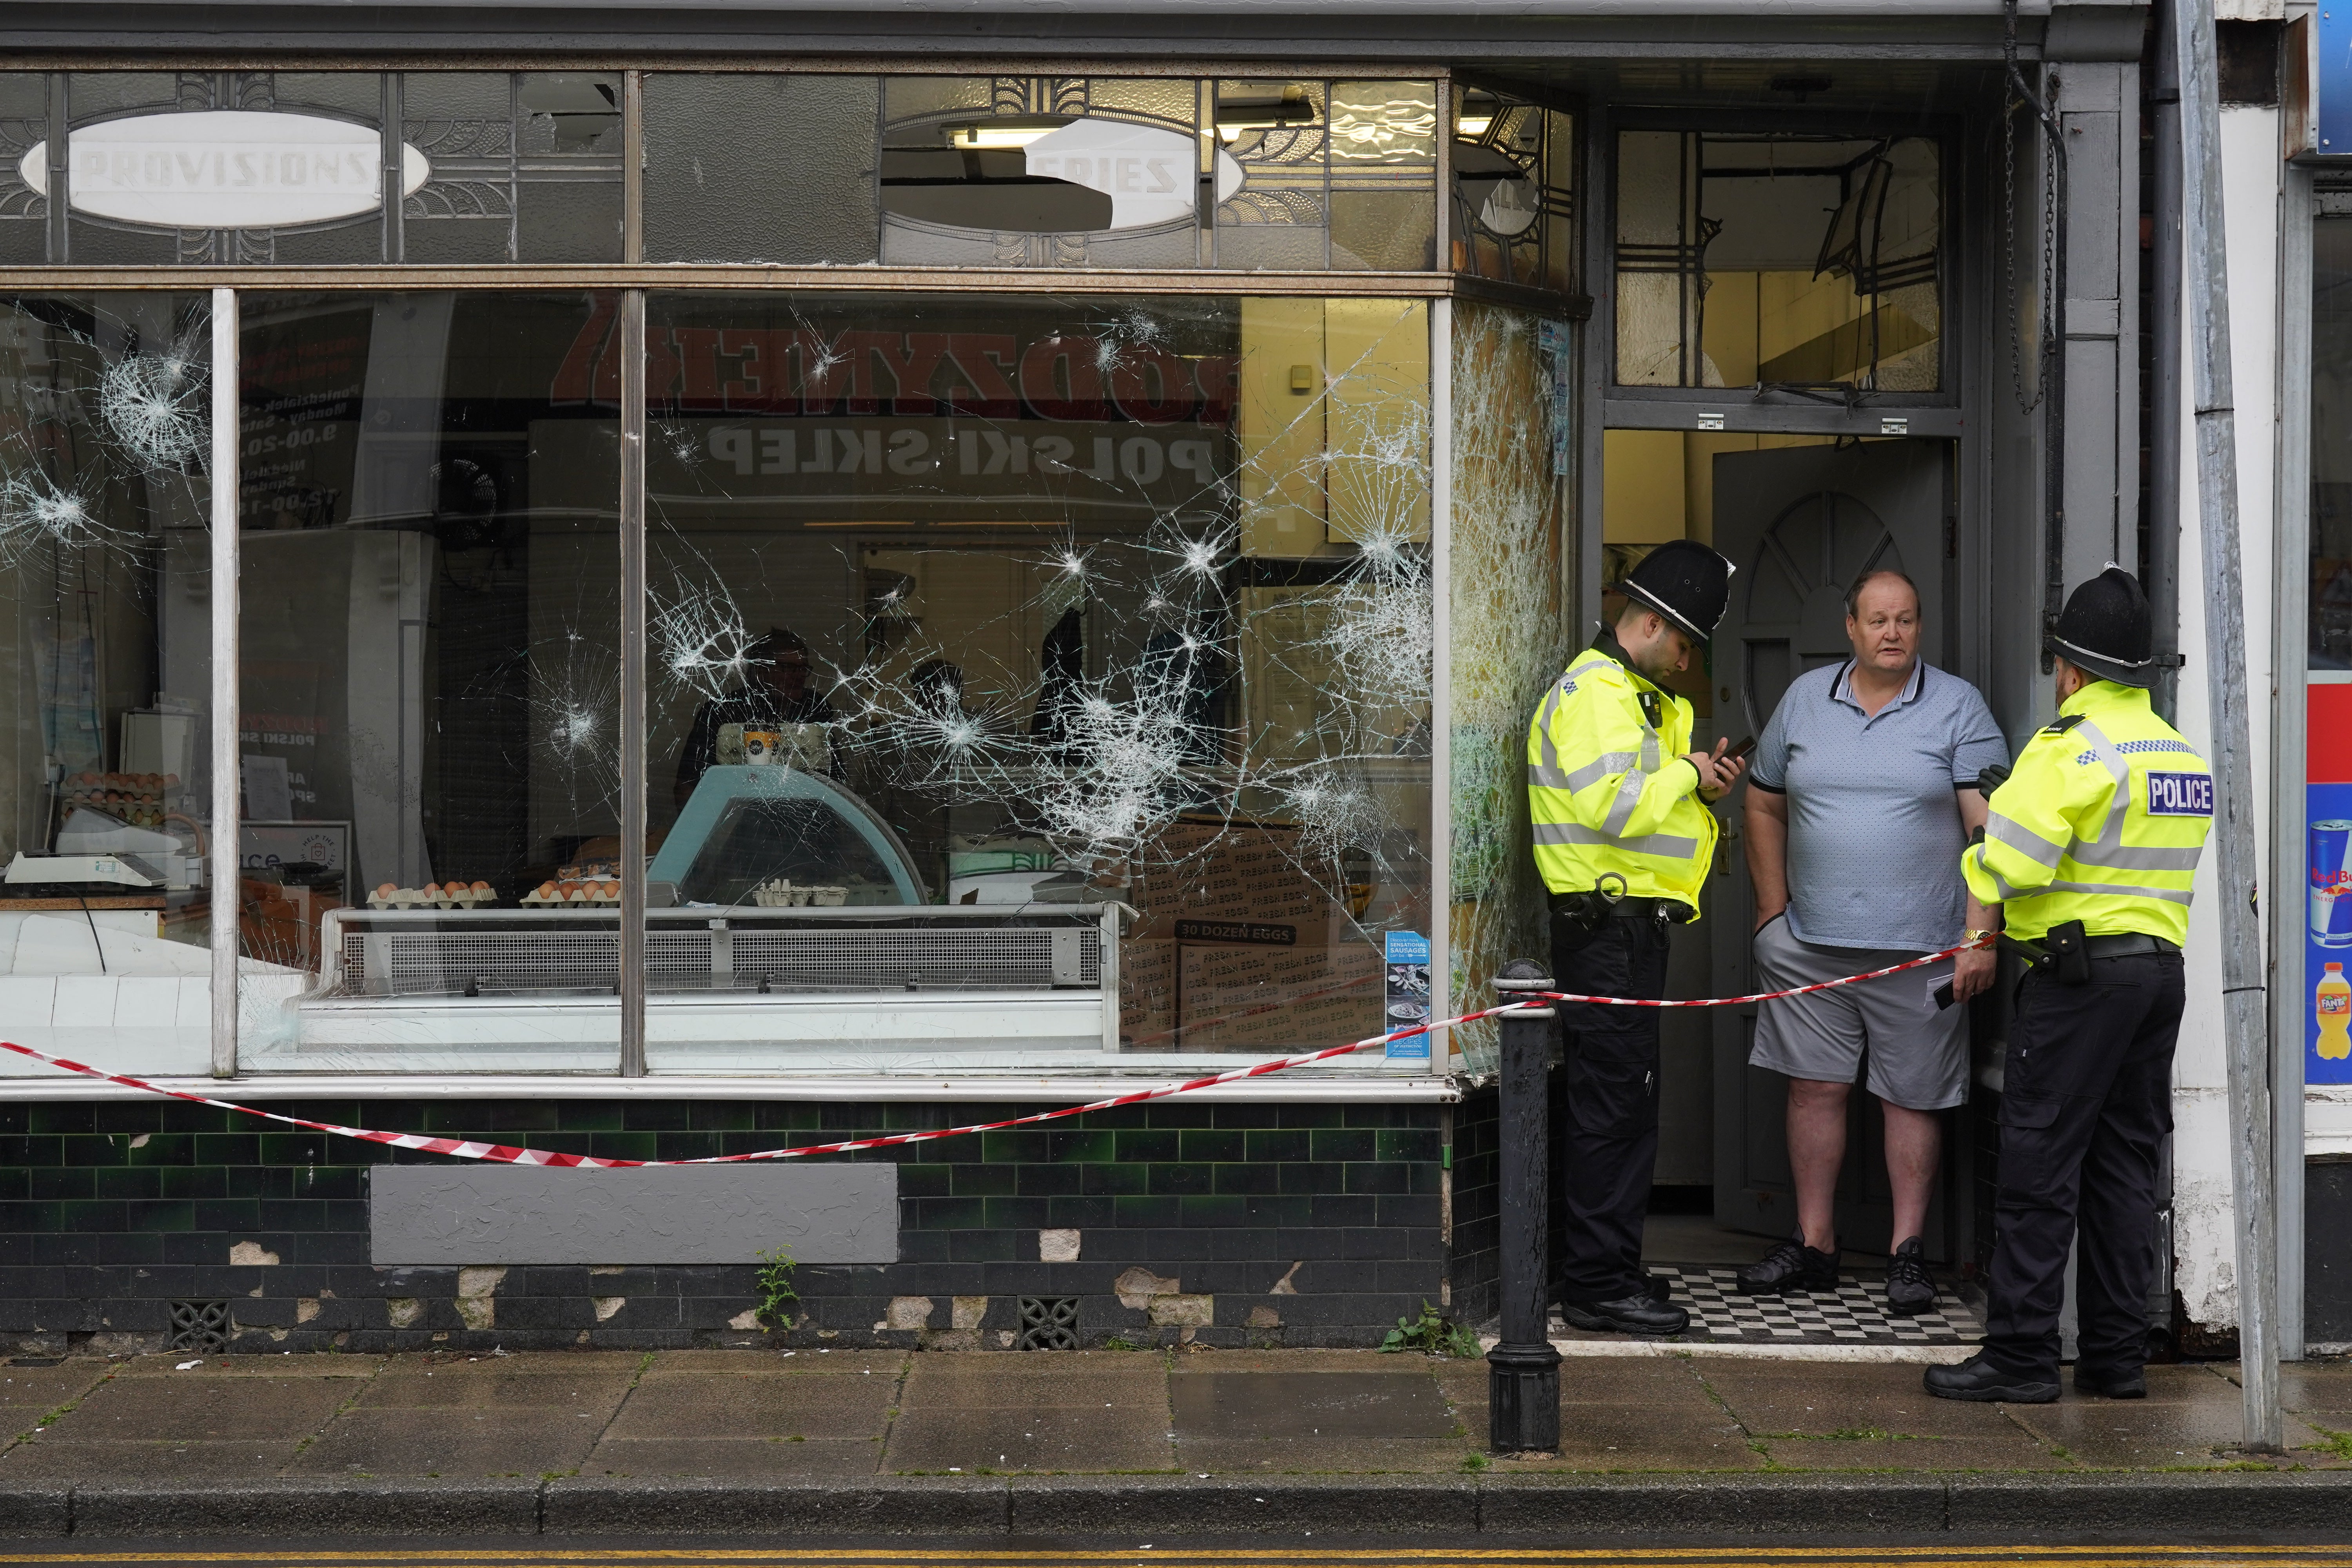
column 1176, row 1556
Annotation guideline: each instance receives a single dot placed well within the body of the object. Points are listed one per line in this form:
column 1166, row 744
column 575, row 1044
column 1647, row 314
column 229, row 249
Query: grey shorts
column 1918, row 1053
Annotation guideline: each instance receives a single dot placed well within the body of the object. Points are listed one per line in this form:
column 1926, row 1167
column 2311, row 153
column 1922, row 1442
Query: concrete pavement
column 1068, row 1443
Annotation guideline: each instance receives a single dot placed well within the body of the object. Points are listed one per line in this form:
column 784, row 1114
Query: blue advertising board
column 1406, row 993
column 2326, row 986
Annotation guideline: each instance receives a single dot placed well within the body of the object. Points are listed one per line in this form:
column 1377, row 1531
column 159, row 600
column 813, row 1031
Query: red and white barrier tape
column 504, row 1154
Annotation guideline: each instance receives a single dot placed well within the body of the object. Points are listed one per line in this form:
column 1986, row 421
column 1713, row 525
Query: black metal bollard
column 1523, row 1369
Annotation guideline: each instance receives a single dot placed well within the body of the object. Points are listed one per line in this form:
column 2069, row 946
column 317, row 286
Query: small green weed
column 778, row 1300
column 1434, row 1335
column 1474, row 1463
column 1116, row 1343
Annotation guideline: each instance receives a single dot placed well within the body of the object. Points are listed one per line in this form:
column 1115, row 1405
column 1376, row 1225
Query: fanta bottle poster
column 2327, row 927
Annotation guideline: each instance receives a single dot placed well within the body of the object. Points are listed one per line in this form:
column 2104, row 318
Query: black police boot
column 2114, row 1383
column 1909, row 1291
column 1641, row 1314
column 1792, row 1266
column 1977, row 1379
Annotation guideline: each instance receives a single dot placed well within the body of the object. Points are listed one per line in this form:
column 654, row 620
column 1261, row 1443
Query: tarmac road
column 1140, row 1554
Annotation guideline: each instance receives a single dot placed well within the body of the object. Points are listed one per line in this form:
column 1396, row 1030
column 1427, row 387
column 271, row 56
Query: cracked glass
column 1511, row 634
column 1005, row 650
column 1801, row 262
column 429, row 681
column 105, row 649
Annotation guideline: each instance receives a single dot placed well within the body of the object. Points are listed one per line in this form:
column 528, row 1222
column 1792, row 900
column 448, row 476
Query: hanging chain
column 2017, row 97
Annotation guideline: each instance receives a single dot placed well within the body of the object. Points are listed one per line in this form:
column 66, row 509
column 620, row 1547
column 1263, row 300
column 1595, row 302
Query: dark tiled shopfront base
column 1231, row 1226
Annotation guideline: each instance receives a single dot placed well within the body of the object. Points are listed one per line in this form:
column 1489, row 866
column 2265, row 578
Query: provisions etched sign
column 224, row 168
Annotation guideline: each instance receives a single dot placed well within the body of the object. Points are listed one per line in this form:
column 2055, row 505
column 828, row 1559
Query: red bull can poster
column 2327, row 889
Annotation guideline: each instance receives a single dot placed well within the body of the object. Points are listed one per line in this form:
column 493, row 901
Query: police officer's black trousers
column 1610, row 1145
column 2086, row 1099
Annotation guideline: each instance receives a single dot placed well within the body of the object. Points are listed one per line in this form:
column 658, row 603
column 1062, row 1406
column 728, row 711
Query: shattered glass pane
column 1778, row 260
column 1012, row 610
column 105, row 436
column 1514, row 170
column 430, row 680
column 1511, row 634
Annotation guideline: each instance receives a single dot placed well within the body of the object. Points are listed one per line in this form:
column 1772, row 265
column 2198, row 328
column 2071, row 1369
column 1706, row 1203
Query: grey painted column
column 2098, row 104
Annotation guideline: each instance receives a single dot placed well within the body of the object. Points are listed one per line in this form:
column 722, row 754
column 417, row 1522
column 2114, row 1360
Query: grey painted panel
column 448, row 1216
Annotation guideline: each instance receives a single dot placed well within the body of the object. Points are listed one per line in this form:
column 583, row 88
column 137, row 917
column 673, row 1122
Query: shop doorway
column 1801, row 523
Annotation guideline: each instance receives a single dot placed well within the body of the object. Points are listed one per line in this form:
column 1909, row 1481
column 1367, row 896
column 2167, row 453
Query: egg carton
column 782, row 894
column 433, row 895
column 554, row 894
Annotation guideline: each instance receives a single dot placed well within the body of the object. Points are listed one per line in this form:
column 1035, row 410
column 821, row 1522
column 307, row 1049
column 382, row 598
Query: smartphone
column 1741, row 750
column 1943, row 995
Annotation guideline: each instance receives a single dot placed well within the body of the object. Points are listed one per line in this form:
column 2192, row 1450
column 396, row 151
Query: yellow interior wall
column 1642, row 486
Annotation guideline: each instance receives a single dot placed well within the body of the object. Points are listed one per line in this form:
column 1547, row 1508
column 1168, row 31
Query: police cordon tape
column 504, row 1154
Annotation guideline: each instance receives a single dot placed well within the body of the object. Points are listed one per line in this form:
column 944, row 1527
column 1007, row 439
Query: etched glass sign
column 224, row 168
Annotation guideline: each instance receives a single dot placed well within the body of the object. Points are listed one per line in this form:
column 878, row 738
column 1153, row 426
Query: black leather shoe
column 1662, row 1289
column 1792, row 1266
column 2114, row 1383
column 1909, row 1291
column 1977, row 1379
column 1640, row 1314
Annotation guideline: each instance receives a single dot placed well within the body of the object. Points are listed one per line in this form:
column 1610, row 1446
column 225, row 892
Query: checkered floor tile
column 1855, row 1315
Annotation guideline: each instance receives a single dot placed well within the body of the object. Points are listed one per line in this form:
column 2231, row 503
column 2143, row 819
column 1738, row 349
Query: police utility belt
column 2066, row 953
column 1605, row 901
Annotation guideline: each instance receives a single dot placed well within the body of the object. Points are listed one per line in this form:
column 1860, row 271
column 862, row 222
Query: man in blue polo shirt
column 1862, row 796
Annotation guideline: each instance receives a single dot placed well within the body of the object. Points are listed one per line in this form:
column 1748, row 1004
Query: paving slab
column 871, row 1363
column 27, row 1393
column 185, row 1364
column 1631, row 1437
column 1308, row 1406
column 2135, row 1434
column 2016, row 1451
column 1809, row 1400
column 674, row 1406
column 1076, row 1377
column 736, row 1459
column 973, row 1438
column 1672, row 1382
column 405, row 1385
column 511, row 1442
column 280, row 1409
column 144, row 1462
column 1321, row 1456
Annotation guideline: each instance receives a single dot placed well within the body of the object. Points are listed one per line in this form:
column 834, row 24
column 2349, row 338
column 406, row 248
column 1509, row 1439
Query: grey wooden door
column 1801, row 523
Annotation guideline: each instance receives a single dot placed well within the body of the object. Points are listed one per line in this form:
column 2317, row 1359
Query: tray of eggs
column 781, row 893
column 451, row 895
column 574, row 890
column 135, row 798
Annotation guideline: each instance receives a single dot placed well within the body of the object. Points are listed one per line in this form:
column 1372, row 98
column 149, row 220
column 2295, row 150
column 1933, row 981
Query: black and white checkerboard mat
column 1855, row 1315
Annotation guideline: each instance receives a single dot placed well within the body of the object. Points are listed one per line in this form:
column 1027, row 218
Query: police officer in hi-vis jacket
column 2090, row 851
column 1623, row 838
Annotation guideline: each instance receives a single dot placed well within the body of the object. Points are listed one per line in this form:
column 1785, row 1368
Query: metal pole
column 2239, row 862
column 629, row 343
column 222, row 874
column 1523, row 1369
column 2159, row 570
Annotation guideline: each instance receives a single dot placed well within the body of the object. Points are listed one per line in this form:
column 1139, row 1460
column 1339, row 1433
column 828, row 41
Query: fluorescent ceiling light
column 1001, row 135
column 1472, row 125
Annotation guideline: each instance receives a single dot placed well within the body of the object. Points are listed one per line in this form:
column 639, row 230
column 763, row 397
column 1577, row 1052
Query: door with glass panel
column 1800, row 523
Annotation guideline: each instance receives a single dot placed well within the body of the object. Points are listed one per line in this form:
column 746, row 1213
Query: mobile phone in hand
column 1740, row 749
column 1943, row 995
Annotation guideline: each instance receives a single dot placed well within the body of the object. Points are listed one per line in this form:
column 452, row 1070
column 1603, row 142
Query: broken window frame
column 1436, row 288
column 1809, row 408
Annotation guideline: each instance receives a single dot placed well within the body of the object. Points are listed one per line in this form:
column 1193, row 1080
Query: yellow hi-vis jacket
column 1609, row 788
column 2101, row 822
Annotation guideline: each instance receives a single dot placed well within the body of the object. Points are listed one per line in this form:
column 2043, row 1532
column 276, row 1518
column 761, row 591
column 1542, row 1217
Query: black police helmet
column 1683, row 580
column 2106, row 629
